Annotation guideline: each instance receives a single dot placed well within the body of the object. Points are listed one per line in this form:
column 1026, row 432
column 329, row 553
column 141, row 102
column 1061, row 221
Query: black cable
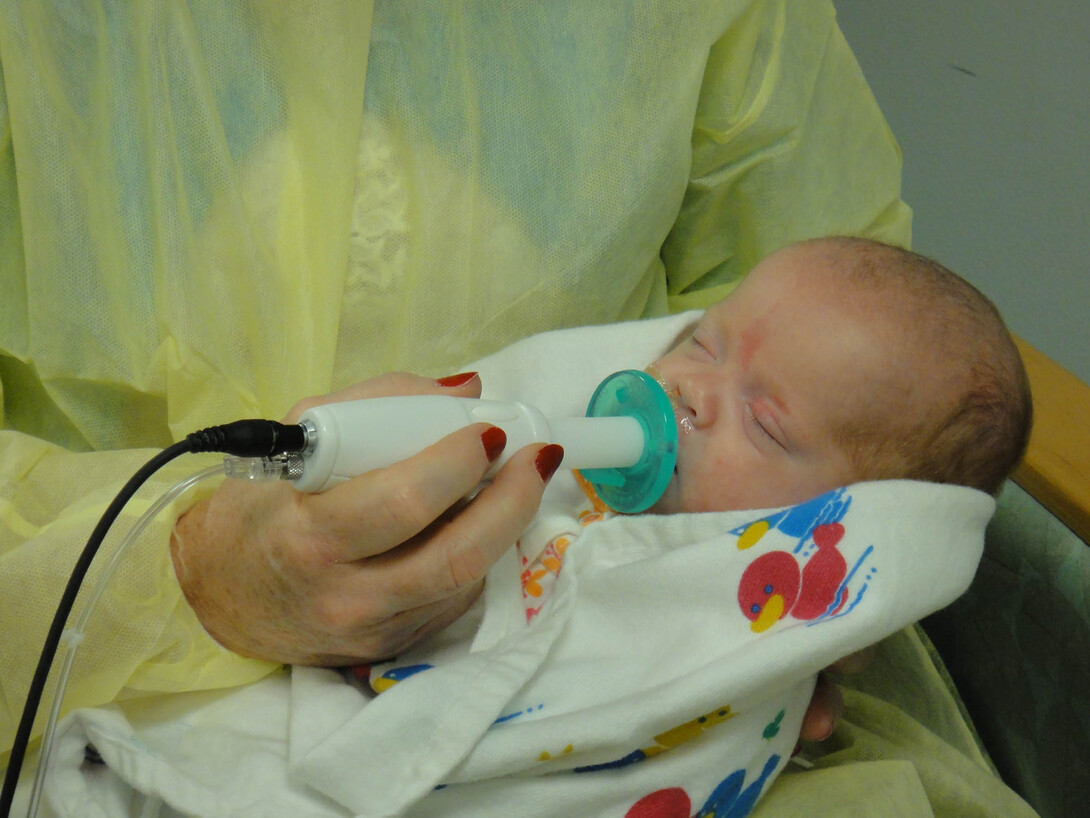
column 243, row 438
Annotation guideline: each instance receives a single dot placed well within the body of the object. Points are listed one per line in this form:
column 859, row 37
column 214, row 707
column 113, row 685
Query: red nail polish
column 548, row 460
column 456, row 380
column 494, row 439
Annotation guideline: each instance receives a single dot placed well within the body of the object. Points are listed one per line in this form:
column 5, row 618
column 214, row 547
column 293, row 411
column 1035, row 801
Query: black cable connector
column 250, row 438
column 243, row 438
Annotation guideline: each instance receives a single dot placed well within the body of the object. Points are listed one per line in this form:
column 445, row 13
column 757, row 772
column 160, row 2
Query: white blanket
column 666, row 673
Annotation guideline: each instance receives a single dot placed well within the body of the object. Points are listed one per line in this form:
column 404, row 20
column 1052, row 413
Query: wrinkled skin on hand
column 365, row 569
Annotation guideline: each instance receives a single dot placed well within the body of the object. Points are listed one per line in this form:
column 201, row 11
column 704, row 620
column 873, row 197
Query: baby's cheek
column 708, row 489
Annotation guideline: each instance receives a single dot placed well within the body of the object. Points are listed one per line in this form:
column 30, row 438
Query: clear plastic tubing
column 74, row 635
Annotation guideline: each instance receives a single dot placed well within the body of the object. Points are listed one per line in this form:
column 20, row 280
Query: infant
column 836, row 362
column 840, row 360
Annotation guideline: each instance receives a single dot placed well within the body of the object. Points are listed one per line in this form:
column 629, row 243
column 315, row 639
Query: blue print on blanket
column 798, row 521
column 813, row 581
column 730, row 799
column 398, row 674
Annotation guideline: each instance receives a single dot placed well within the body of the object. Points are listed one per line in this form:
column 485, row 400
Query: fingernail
column 834, row 717
column 456, row 380
column 494, row 439
column 548, row 460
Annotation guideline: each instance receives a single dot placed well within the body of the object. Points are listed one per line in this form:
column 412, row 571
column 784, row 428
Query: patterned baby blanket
column 616, row 665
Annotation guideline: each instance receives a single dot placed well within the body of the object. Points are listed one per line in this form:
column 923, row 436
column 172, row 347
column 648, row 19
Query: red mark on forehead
column 752, row 338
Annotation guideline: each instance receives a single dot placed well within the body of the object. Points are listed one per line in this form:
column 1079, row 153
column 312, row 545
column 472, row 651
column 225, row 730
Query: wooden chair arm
column 1056, row 468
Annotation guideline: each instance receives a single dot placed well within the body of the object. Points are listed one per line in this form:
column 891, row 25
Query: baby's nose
column 699, row 396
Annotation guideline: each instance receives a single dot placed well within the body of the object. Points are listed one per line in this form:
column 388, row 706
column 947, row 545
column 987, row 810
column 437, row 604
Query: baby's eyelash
column 695, row 341
column 752, row 418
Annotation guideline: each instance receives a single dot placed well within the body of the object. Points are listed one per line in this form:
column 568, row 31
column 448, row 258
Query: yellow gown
column 211, row 209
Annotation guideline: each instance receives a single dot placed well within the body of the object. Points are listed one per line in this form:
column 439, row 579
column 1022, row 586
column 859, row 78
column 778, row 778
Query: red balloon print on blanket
column 773, row 586
column 669, row 803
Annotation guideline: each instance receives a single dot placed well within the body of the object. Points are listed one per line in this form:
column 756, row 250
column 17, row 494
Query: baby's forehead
column 792, row 293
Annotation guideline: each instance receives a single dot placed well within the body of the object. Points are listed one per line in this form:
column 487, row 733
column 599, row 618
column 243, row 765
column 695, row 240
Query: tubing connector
column 287, row 466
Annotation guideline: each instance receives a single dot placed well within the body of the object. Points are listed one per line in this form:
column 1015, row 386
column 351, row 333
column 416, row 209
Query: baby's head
column 840, row 360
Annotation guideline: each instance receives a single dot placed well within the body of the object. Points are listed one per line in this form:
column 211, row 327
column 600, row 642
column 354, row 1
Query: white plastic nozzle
column 598, row 443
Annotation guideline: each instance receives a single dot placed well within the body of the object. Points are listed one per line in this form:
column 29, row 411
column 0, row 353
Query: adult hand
column 361, row 571
column 827, row 703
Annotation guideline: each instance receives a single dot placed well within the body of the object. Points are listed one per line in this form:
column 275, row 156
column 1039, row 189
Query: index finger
column 464, row 385
column 381, row 509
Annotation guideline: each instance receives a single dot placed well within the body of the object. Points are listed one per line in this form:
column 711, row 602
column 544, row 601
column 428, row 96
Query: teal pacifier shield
column 631, row 393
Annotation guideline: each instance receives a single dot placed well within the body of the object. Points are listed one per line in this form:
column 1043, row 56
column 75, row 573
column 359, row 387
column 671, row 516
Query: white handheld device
column 626, row 446
column 354, row 437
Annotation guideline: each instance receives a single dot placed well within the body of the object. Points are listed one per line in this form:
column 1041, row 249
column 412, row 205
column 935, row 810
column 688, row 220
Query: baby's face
column 763, row 384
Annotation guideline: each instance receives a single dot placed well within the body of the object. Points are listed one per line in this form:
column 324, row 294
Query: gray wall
column 990, row 103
